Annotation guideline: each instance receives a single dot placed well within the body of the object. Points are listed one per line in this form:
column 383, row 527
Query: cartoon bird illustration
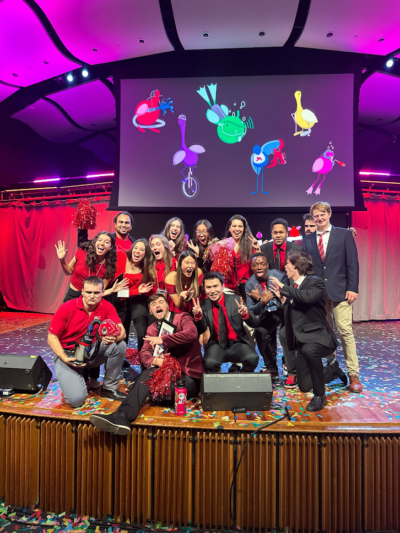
column 303, row 117
column 231, row 128
column 323, row 165
column 147, row 112
column 187, row 156
column 259, row 159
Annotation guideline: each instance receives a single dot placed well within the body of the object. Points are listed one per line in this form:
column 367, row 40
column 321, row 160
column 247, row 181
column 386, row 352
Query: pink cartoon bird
column 323, row 165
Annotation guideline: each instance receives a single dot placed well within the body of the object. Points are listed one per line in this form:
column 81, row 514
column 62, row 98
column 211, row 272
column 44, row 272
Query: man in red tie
column 335, row 260
column 277, row 250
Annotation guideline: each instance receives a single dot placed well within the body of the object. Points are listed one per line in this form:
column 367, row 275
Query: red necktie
column 295, row 285
column 321, row 246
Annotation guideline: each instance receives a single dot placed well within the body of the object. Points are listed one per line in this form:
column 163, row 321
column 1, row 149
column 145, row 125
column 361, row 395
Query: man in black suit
column 263, row 303
column 335, row 260
column 277, row 250
column 306, row 326
column 220, row 317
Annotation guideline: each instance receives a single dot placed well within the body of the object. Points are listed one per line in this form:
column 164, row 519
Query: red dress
column 82, row 271
column 187, row 308
column 160, row 271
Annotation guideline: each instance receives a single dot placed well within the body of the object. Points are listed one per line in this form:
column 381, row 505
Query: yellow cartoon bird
column 303, row 117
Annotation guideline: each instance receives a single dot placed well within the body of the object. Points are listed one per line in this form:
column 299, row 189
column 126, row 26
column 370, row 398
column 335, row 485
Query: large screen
column 245, row 142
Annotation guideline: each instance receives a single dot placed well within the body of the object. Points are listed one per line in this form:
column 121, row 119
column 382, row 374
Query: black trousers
column 71, row 295
column 310, row 370
column 131, row 406
column 290, row 355
column 137, row 310
column 236, row 352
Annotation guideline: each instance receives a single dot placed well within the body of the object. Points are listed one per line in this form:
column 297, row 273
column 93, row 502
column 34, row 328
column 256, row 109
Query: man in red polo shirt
column 69, row 324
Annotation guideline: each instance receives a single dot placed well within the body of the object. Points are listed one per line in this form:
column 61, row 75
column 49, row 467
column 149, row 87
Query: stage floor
column 376, row 410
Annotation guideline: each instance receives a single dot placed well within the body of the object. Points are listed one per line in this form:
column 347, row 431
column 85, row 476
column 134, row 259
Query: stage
column 332, row 470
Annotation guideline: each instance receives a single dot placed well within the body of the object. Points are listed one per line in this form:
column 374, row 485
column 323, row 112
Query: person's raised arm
column 68, row 268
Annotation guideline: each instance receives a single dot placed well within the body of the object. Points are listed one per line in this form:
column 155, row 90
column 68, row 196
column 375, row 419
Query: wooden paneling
column 213, row 474
column 3, row 452
column 133, row 473
column 22, row 461
column 57, row 463
column 382, row 483
column 94, row 472
column 341, row 483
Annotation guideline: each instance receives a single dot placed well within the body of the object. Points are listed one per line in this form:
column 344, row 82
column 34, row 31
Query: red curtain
column 378, row 238
column 31, row 278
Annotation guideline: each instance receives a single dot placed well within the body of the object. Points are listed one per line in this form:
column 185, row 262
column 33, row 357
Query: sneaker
column 274, row 375
column 284, row 370
column 113, row 423
column 291, row 382
column 234, row 368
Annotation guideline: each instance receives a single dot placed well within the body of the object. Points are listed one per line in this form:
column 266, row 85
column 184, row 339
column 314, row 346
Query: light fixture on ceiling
column 262, row 33
column 206, row 34
column 85, row 73
column 381, row 39
column 70, row 77
column 94, row 49
column 390, row 62
column 141, row 41
column 330, row 34
column 15, row 75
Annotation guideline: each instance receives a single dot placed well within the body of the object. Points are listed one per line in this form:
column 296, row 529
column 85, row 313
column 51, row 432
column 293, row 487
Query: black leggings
column 131, row 406
column 71, row 294
column 135, row 309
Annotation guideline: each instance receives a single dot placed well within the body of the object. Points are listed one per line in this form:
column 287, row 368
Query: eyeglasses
column 202, row 232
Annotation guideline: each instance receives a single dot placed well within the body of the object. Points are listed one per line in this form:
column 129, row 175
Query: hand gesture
column 145, row 287
column 187, row 295
column 242, row 309
column 154, row 341
column 275, row 281
column 120, row 285
column 267, row 296
column 255, row 243
column 61, row 251
column 194, row 248
column 171, row 245
column 197, row 310
column 255, row 294
column 351, row 297
column 354, row 232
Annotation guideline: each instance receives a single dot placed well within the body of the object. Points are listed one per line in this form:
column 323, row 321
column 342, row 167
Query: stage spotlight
column 389, row 63
column 85, row 73
column 70, row 77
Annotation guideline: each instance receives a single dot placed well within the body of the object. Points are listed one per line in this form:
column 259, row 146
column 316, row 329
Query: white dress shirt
column 325, row 238
column 299, row 281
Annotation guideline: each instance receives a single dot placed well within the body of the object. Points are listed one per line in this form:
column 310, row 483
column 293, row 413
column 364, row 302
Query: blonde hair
column 321, row 206
column 167, row 257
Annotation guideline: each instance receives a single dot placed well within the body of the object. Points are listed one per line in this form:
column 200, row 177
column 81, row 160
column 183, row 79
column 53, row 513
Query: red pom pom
column 85, row 215
column 160, row 381
column 222, row 263
column 133, row 356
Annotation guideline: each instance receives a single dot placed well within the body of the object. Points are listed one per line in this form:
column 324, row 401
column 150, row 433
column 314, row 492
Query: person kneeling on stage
column 69, row 325
column 221, row 318
column 307, row 329
column 183, row 345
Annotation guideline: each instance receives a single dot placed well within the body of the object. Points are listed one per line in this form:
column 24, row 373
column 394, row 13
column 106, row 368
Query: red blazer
column 183, row 345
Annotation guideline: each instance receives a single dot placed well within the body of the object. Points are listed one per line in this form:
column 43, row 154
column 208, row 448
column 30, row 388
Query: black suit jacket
column 233, row 317
column 305, row 315
column 267, row 249
column 340, row 270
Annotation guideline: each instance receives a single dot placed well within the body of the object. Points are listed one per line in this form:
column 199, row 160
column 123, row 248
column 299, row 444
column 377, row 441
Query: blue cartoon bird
column 259, row 159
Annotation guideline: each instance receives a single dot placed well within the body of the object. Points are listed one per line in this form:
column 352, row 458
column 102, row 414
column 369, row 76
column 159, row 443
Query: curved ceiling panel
column 233, row 23
column 379, row 99
column 100, row 31
column 50, row 123
column 27, row 54
column 6, row 91
column 90, row 105
column 357, row 26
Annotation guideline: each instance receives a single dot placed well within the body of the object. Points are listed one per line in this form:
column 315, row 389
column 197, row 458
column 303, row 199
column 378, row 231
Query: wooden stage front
column 337, row 470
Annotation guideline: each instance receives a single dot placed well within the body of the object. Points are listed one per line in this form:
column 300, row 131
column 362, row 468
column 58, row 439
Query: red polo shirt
column 71, row 320
column 123, row 245
column 282, row 255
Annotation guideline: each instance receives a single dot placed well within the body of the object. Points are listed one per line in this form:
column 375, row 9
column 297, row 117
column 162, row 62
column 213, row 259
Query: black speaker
column 229, row 392
column 24, row 373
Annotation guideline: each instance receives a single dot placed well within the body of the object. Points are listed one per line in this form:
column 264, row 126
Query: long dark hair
column 110, row 257
column 246, row 248
column 146, row 261
column 195, row 275
column 210, row 230
column 167, row 256
column 180, row 241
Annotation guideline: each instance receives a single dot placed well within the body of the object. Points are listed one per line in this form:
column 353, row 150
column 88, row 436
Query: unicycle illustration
column 189, row 157
column 190, row 185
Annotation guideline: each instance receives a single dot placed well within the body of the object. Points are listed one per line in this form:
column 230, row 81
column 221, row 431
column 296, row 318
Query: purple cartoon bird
column 187, row 156
column 323, row 165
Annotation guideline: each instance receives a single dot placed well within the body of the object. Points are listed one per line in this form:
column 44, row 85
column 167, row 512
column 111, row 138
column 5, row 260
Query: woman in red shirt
column 162, row 262
column 95, row 258
column 134, row 267
column 174, row 232
column 183, row 284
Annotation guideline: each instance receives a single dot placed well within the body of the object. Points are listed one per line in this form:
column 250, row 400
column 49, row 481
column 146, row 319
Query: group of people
column 292, row 288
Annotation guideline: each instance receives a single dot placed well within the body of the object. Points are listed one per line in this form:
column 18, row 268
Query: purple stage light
column 47, row 179
column 367, row 173
column 100, row 175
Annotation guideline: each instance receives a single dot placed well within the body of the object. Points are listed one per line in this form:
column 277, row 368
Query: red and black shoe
column 291, row 382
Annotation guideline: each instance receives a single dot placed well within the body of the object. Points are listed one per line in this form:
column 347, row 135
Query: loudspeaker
column 24, row 373
column 229, row 392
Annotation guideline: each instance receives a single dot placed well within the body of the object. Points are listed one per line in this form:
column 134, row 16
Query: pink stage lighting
column 47, row 179
column 100, row 175
column 367, row 173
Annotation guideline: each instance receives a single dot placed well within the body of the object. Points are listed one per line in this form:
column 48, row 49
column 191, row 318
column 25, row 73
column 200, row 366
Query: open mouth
column 237, row 234
column 259, row 273
column 100, row 249
column 157, row 253
column 189, row 271
column 159, row 313
column 174, row 234
column 136, row 257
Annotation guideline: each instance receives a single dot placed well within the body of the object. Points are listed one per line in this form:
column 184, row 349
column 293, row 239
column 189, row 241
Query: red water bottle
column 180, row 399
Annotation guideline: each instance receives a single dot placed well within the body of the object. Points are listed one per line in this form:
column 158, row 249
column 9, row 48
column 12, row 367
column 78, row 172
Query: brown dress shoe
column 355, row 385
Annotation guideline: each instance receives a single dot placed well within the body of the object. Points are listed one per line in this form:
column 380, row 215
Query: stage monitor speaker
column 236, row 392
column 24, row 373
